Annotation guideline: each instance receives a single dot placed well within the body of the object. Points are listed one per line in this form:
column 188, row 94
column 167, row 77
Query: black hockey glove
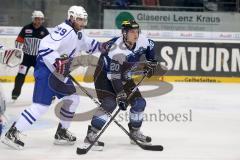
column 122, row 100
column 62, row 65
column 150, row 68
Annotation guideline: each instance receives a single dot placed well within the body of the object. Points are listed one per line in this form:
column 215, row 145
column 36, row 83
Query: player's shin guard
column 67, row 111
column 27, row 118
column 98, row 121
column 136, row 118
column 19, row 80
column 30, row 115
column 100, row 117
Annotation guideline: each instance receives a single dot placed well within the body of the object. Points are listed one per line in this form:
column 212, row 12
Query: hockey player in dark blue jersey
column 113, row 87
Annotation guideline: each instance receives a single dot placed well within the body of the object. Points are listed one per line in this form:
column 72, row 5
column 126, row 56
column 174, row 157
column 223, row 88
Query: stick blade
column 81, row 151
column 152, row 147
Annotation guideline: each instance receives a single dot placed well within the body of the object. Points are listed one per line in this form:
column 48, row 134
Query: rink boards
column 194, row 57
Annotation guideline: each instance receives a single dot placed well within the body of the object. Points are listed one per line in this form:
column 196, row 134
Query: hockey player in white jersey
column 11, row 58
column 113, row 87
column 55, row 53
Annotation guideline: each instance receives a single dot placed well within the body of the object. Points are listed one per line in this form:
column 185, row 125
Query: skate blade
column 94, row 147
column 63, row 142
column 11, row 144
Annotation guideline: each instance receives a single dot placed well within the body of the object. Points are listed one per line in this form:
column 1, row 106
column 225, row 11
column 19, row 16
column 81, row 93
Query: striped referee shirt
column 29, row 39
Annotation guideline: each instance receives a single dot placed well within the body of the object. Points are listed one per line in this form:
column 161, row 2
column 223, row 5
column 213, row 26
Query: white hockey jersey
column 115, row 60
column 120, row 53
column 143, row 46
column 64, row 40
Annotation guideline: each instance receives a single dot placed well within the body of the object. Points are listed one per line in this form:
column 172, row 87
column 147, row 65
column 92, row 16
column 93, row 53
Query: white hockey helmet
column 36, row 14
column 78, row 12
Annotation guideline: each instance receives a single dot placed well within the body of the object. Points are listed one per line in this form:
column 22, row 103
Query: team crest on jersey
column 28, row 31
column 79, row 35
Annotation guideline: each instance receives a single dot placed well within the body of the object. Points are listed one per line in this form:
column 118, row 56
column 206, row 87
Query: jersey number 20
column 114, row 67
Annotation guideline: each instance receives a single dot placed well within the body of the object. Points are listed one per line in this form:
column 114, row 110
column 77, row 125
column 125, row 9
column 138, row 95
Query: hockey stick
column 143, row 146
column 85, row 150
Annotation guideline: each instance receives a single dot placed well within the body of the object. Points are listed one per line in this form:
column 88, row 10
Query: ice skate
column 12, row 138
column 138, row 135
column 64, row 137
column 91, row 135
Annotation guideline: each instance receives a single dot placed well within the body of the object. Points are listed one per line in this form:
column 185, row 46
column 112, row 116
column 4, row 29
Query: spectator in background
column 210, row 5
column 122, row 3
column 135, row 2
column 195, row 3
column 29, row 38
column 189, row 3
column 150, row 2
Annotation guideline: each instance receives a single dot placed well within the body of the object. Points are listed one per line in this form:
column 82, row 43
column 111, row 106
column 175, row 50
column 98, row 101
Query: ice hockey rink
column 208, row 129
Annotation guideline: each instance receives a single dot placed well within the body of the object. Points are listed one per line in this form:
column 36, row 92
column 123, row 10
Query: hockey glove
column 150, row 68
column 104, row 47
column 122, row 100
column 62, row 65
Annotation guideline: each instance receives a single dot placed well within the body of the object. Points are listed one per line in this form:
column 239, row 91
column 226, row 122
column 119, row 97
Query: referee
column 29, row 40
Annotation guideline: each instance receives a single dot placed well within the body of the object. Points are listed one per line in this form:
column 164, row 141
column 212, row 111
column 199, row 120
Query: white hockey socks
column 30, row 115
column 67, row 111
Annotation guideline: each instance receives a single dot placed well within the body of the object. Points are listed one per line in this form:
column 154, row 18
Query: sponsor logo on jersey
column 28, row 31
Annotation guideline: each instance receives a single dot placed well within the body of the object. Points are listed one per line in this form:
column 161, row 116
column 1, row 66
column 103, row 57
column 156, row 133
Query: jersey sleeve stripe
column 43, row 50
column 46, row 53
column 95, row 47
column 93, row 42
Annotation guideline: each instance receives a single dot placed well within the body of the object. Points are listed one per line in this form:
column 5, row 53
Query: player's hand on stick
column 122, row 100
column 150, row 68
column 104, row 47
column 62, row 65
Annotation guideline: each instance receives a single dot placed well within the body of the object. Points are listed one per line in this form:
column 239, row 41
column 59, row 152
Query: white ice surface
column 213, row 133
